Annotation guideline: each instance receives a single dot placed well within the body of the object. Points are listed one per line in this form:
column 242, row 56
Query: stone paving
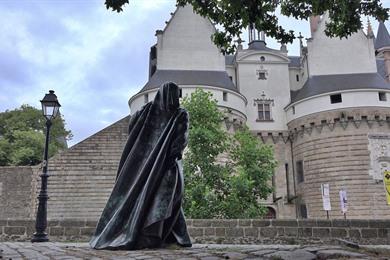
column 62, row 251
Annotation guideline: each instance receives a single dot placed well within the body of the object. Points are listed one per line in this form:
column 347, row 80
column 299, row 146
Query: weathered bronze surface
column 144, row 209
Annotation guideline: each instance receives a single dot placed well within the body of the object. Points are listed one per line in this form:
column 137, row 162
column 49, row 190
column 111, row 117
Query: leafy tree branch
column 234, row 16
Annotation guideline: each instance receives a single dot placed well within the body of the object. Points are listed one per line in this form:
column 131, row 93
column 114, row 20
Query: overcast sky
column 94, row 59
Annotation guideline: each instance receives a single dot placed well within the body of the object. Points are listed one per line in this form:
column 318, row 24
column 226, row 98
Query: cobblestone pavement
column 42, row 251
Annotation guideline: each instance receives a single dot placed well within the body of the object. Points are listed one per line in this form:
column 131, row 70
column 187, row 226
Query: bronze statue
column 144, row 209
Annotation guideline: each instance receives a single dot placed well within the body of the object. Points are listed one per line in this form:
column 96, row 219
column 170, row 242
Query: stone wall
column 334, row 149
column 283, row 181
column 244, row 231
column 82, row 177
column 15, row 192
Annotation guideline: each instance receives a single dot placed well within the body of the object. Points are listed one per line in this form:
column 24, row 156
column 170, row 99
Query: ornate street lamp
column 50, row 108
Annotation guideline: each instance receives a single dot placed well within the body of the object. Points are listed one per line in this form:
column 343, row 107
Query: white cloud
column 95, row 59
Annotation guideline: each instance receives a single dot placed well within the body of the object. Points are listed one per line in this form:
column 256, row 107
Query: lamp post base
column 42, row 237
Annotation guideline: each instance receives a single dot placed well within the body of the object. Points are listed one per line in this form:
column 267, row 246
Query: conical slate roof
column 316, row 85
column 383, row 37
column 218, row 79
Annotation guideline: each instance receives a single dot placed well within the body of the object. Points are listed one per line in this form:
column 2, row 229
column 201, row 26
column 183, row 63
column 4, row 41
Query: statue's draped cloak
column 144, row 208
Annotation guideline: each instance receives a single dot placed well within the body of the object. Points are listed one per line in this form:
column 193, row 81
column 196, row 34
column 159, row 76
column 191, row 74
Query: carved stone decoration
column 379, row 147
column 370, row 123
column 357, row 123
column 344, row 124
column 262, row 74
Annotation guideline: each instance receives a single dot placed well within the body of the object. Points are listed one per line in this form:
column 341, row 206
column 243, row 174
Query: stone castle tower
column 325, row 112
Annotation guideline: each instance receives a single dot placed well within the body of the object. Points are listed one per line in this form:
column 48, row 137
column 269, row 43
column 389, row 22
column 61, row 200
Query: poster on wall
column 325, row 196
column 343, row 201
column 386, row 180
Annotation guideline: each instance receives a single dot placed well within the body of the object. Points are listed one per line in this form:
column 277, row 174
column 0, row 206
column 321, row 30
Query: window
column 262, row 73
column 225, row 96
column 264, row 111
column 335, row 98
column 263, row 105
column 297, row 77
column 262, row 58
column 146, row 98
column 382, row 96
column 262, row 76
column 293, row 110
column 231, row 78
column 303, row 210
column 300, row 175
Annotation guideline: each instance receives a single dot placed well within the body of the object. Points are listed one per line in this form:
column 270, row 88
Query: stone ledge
column 225, row 230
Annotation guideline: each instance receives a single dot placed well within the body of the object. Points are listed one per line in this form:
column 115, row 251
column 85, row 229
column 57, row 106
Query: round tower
column 339, row 124
column 184, row 54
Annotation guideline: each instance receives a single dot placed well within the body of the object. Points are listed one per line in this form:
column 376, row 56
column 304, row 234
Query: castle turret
column 382, row 48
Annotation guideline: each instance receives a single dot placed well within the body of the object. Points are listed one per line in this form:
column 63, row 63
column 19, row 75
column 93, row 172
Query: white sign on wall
column 343, row 201
column 325, row 196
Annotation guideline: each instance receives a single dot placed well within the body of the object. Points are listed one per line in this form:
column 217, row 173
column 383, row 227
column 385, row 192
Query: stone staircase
column 82, row 177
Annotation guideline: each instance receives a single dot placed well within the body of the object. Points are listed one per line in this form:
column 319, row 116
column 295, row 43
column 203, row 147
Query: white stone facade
column 285, row 100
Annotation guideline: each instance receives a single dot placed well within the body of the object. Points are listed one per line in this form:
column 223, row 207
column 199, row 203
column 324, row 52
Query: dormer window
column 261, row 74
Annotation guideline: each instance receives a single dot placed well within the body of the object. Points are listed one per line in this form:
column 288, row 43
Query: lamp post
column 50, row 108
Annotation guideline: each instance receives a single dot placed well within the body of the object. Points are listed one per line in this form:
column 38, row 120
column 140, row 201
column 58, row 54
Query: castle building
column 326, row 113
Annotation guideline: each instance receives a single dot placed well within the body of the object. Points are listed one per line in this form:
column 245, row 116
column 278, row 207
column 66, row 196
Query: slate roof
column 191, row 77
column 229, row 59
column 259, row 46
column 295, row 61
column 316, row 85
column 382, row 38
column 380, row 65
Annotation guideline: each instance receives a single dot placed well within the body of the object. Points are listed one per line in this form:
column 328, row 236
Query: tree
column 204, row 178
column 255, row 165
column 223, row 190
column 22, row 136
column 234, row 16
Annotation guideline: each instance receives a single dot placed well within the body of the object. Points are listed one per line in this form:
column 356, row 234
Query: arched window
column 271, row 214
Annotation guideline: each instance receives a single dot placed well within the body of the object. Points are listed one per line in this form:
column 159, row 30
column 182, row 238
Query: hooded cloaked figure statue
column 144, row 209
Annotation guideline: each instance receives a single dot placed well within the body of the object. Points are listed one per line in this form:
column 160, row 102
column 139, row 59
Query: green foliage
column 234, row 16
column 22, row 136
column 116, row 5
column 207, row 140
column 230, row 190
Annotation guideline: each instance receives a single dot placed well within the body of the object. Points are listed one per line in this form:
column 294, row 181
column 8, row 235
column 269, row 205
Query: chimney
column 314, row 21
